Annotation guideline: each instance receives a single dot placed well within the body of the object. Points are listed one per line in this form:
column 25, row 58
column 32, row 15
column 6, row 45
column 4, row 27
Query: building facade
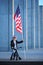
column 29, row 13
column 32, row 22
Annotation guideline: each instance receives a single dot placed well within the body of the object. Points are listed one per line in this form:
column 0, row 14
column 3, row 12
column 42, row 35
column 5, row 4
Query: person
column 14, row 43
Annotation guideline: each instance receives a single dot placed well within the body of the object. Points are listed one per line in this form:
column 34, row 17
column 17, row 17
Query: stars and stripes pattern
column 17, row 18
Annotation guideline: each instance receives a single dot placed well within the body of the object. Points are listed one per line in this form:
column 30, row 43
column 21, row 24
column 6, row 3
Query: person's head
column 14, row 38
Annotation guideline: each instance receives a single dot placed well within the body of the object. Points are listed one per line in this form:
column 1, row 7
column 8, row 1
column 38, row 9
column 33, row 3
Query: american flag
column 17, row 18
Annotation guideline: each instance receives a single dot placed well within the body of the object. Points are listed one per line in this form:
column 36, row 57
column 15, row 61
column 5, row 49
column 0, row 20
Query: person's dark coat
column 17, row 42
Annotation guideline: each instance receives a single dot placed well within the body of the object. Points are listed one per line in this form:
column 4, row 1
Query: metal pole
column 26, row 28
column 39, row 25
column 34, row 24
column 12, row 18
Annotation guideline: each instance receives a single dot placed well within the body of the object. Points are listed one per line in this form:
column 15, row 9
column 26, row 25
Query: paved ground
column 27, row 60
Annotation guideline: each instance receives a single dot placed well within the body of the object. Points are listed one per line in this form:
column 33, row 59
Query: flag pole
column 26, row 28
column 12, row 17
column 22, row 33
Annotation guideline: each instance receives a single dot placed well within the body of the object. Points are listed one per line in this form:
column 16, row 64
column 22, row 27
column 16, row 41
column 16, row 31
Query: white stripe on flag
column 17, row 18
column 17, row 25
column 18, row 22
column 19, row 30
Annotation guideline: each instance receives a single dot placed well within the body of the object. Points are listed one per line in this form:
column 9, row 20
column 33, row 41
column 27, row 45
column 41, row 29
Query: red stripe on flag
column 19, row 27
column 19, row 30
